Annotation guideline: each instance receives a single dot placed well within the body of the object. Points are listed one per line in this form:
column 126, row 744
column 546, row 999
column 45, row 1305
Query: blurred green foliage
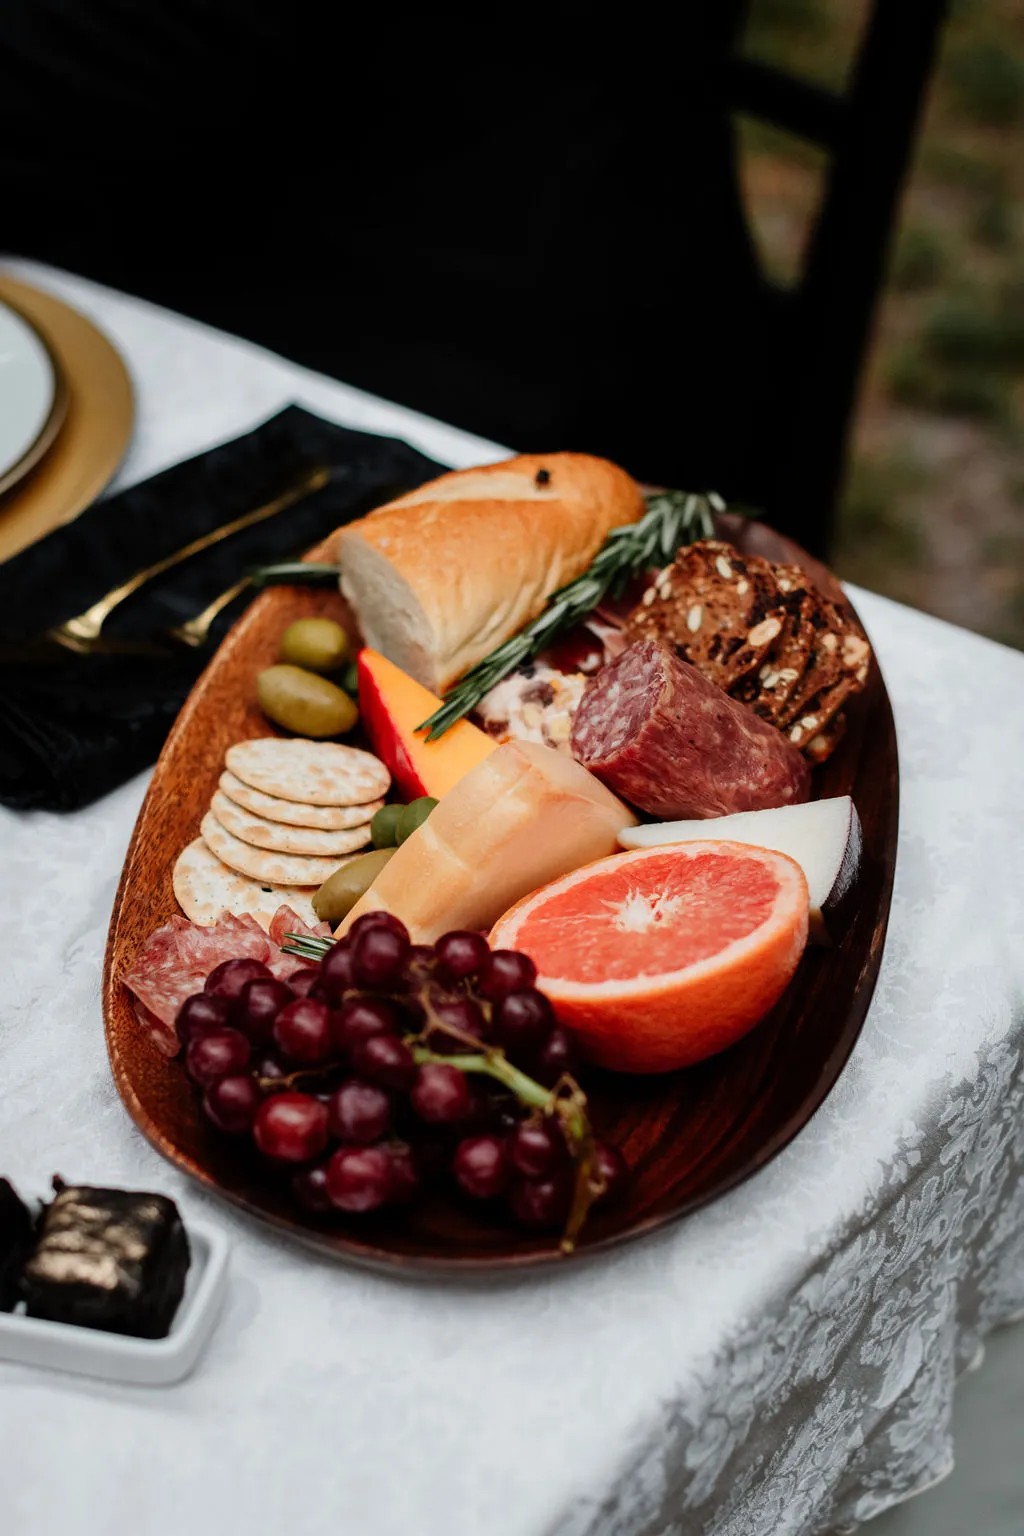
column 996, row 223
column 921, row 259
column 987, row 78
column 873, row 528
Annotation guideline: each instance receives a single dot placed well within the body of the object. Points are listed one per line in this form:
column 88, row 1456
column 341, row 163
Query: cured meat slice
column 177, row 958
column 659, row 734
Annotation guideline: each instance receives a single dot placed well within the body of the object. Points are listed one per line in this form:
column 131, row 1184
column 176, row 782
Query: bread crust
column 440, row 577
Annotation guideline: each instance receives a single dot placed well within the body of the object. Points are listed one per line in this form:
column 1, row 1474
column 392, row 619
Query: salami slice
column 662, row 736
column 177, row 958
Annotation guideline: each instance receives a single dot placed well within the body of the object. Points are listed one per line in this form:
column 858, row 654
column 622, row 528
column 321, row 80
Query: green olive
column 304, row 703
column 350, row 679
column 340, row 891
column 413, row 815
column 321, row 645
column 384, row 826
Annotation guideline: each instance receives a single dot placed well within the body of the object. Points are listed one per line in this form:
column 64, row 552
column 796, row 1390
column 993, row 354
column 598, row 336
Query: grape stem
column 566, row 1100
column 526, row 1090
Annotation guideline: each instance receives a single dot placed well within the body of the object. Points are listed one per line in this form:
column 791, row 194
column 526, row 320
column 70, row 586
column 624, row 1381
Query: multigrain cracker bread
column 294, row 813
column 838, row 661
column 824, row 742
column 311, row 772
column 268, row 868
column 768, row 689
column 720, row 610
column 205, row 888
column 764, row 634
column 278, row 838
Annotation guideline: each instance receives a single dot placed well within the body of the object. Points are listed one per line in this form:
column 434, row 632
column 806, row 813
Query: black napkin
column 73, row 727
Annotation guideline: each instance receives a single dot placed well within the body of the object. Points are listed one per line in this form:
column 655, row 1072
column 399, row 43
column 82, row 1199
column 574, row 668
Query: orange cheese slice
column 392, row 705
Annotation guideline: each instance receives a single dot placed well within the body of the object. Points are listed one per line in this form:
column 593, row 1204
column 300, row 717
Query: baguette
column 440, row 577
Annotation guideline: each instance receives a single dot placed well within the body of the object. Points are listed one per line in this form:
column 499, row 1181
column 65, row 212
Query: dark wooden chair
column 823, row 323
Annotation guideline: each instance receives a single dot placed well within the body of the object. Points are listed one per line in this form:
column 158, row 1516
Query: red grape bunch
column 384, row 1068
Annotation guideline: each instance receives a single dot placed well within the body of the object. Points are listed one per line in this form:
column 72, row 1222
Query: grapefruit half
column 660, row 958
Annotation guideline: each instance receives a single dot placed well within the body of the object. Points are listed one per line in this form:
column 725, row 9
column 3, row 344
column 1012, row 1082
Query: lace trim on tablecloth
column 836, row 1405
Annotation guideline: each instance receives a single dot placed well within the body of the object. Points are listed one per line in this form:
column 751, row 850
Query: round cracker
column 313, row 772
column 271, row 835
column 206, row 888
column 267, row 868
column 292, row 813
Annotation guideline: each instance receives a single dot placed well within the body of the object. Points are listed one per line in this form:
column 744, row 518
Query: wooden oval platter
column 687, row 1136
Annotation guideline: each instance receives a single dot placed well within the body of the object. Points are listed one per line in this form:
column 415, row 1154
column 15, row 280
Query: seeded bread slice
column 721, row 611
column 840, row 651
column 768, row 689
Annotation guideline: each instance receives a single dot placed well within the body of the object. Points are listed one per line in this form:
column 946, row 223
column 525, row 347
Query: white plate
column 27, row 388
column 114, row 1356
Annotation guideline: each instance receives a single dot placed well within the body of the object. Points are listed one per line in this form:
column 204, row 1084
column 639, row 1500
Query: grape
column 228, row 978
column 302, row 982
column 441, row 1095
column 336, row 971
column 556, row 1056
column 378, row 956
column 506, row 971
column 210, row 1057
column 540, row 1203
column 302, row 1031
column 231, row 1103
column 481, row 1166
column 309, row 1186
column 258, row 1005
column 378, row 920
column 201, row 1014
column 461, row 1013
column 291, row 1127
column 461, row 954
column 404, row 1170
column 537, row 1149
column 358, row 1112
column 522, row 1020
column 360, row 1017
column 610, row 1169
column 359, row 1178
column 384, row 1059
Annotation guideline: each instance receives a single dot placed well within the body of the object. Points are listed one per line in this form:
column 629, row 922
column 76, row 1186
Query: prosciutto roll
column 663, row 737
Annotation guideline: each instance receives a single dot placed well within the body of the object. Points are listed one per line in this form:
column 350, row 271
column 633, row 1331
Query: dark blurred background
column 724, row 248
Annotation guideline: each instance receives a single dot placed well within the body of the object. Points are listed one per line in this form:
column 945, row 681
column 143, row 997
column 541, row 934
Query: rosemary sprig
column 307, row 946
column 672, row 518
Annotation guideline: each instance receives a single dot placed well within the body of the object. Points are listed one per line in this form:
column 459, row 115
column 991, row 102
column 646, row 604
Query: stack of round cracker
column 286, row 814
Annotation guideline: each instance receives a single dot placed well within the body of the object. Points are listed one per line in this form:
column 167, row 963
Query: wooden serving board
column 687, row 1137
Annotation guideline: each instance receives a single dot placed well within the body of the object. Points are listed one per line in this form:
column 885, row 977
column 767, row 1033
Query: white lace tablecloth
column 782, row 1362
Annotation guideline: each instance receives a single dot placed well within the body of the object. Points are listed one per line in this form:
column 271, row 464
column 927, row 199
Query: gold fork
column 195, row 632
column 82, row 632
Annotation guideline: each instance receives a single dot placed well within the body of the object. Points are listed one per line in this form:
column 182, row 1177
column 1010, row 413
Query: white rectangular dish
column 115, row 1356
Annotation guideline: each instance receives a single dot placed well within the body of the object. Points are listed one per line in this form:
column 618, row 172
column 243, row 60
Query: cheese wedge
column 522, row 817
column 392, row 705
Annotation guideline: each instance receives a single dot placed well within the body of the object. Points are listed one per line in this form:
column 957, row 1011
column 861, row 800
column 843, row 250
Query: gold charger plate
column 97, row 425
